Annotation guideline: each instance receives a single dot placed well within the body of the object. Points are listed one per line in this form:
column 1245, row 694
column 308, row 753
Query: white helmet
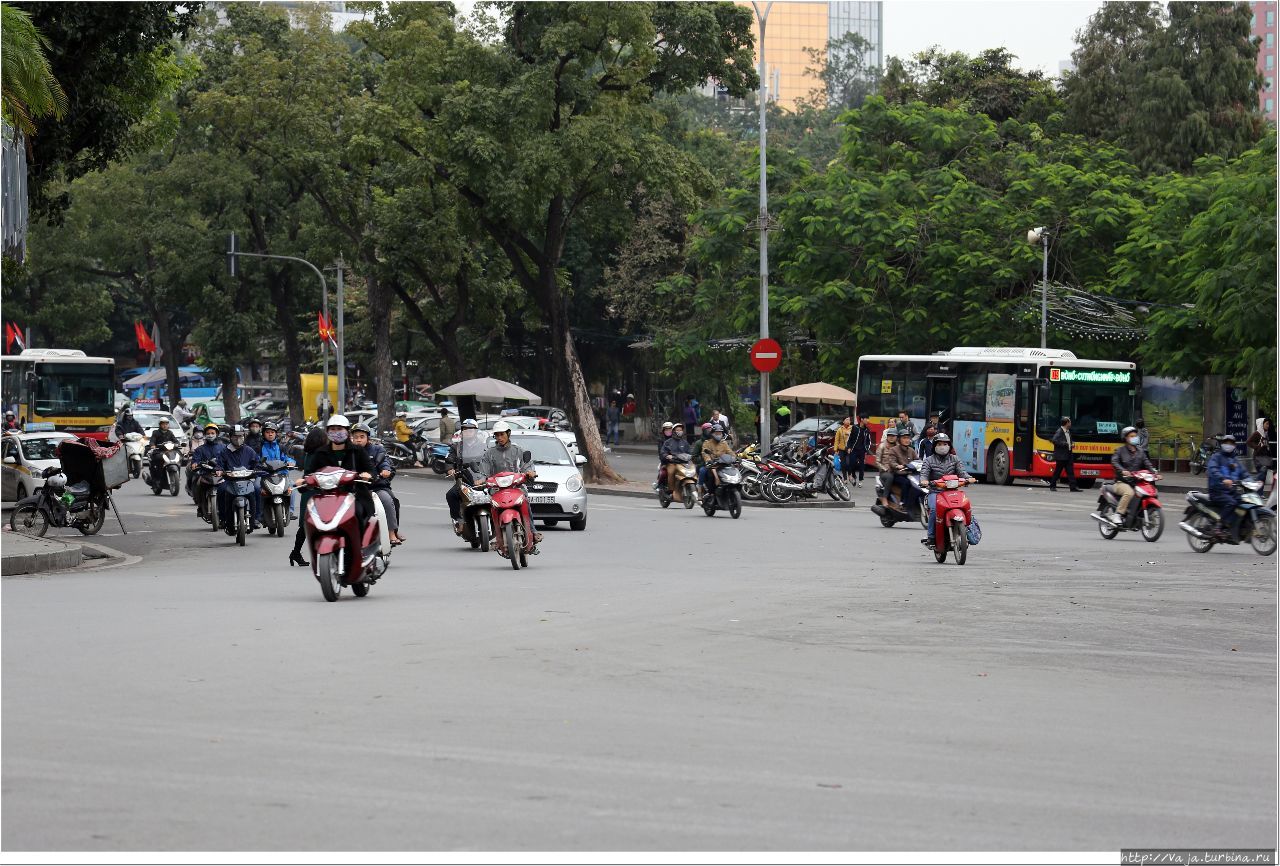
column 502, row 427
column 337, row 421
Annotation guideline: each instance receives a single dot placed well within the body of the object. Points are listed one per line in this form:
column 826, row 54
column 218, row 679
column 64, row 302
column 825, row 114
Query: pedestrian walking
column 448, row 425
column 613, row 415
column 859, row 443
column 841, row 445
column 1064, row 461
column 1262, row 447
column 1144, row 436
column 783, row 416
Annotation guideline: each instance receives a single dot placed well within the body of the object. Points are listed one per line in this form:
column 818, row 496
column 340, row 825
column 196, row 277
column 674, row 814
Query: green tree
column 1167, row 86
column 986, row 83
column 28, row 90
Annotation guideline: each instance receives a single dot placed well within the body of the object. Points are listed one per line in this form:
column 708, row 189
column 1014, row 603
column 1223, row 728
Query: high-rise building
column 1264, row 30
column 796, row 26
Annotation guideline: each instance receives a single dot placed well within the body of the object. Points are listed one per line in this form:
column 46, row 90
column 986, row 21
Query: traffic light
column 232, row 249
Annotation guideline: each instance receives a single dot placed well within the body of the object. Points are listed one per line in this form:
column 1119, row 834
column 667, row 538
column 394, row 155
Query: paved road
column 789, row 681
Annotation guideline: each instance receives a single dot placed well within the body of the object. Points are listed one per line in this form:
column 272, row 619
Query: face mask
column 941, row 449
column 233, row 445
column 338, row 435
column 718, row 437
column 1134, row 440
column 1228, row 448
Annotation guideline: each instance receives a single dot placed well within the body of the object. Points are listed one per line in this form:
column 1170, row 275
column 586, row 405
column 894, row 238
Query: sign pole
column 765, row 402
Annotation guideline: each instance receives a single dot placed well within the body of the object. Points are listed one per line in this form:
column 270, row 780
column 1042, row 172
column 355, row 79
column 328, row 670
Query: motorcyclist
column 381, row 486
column 464, row 457
column 270, row 448
column 505, row 457
column 673, row 446
column 704, row 435
column 884, row 453
column 159, row 436
column 942, row 462
column 1225, row 473
column 662, row 466
column 344, row 455
column 237, row 455
column 182, row 414
column 712, row 449
column 11, row 421
column 127, row 423
column 254, row 437
column 207, row 452
column 1128, row 459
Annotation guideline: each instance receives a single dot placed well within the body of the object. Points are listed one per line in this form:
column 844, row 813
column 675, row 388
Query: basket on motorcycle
column 86, row 460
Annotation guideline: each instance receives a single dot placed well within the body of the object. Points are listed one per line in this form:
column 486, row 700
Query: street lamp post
column 1040, row 235
column 340, row 350
column 765, row 426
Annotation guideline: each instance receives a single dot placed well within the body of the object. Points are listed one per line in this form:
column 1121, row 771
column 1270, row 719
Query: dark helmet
column 941, row 437
column 270, row 425
column 362, row 428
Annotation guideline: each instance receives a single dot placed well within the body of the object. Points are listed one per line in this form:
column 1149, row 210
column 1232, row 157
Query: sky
column 1041, row 33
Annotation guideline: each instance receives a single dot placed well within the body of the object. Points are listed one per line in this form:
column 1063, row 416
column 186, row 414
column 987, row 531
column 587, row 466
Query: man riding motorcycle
column 662, row 466
column 270, row 447
column 1128, row 459
column 896, row 458
column 254, row 437
column 465, row 454
column 1225, row 474
column 939, row 464
column 127, row 424
column 159, row 436
column 381, row 485
column 207, row 452
column 505, row 457
column 673, row 446
column 237, row 455
column 712, row 449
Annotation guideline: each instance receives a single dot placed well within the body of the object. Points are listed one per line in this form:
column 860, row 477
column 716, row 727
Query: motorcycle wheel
column 97, row 512
column 735, row 504
column 1203, row 524
column 279, row 518
column 1107, row 530
column 1196, row 468
column 438, row 466
column 1263, row 537
column 155, row 487
column 690, row 494
column 242, row 525
column 327, row 573
column 520, row 540
column 886, row 521
column 664, row 497
column 30, row 520
column 211, row 508
column 941, row 554
column 842, row 489
column 709, row 509
column 923, row 511
column 482, row 528
column 174, row 483
column 751, row 487
column 509, row 544
column 1152, row 524
column 959, row 543
column 361, row 589
column 136, row 470
column 776, row 492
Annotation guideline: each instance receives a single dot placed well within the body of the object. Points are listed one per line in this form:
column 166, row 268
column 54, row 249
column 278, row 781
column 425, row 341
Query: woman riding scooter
column 940, row 463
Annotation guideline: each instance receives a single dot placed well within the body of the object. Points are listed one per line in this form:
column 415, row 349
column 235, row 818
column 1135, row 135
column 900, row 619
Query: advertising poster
column 1237, row 414
column 970, row 440
column 1171, row 409
column 1000, row 396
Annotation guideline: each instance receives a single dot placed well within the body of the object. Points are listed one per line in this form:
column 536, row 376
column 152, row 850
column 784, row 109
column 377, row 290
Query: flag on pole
column 145, row 343
column 13, row 334
column 327, row 332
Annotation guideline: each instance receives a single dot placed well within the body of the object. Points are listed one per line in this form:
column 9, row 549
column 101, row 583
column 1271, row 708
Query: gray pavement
column 794, row 680
column 20, row 554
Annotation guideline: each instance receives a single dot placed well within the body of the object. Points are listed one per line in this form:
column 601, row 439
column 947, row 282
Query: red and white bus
column 1001, row 406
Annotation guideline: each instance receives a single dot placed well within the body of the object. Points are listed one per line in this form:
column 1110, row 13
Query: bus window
column 869, row 394
column 1098, row 411
column 902, row 393
column 971, row 402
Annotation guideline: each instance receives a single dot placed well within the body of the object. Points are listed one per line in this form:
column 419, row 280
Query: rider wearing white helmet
column 344, row 455
column 506, row 457
column 464, row 458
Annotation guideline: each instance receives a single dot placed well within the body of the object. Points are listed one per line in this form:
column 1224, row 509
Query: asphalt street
column 794, row 680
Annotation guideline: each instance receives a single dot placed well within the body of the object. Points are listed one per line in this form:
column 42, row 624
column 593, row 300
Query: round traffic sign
column 766, row 355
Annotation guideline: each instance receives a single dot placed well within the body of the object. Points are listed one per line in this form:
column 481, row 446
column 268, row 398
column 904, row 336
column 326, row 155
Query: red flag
column 326, row 330
column 8, row 336
column 145, row 343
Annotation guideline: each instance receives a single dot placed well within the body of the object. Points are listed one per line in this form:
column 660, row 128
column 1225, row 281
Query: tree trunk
column 170, row 354
column 230, row 405
column 380, row 318
column 568, row 370
column 282, row 293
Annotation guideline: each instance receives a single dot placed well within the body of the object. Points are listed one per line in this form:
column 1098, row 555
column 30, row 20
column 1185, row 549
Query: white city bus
column 60, row 389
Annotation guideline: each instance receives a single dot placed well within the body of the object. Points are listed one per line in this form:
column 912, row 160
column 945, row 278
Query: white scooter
column 169, row 473
column 133, row 446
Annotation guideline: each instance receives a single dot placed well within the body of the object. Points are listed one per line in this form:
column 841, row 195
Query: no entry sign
column 766, row 355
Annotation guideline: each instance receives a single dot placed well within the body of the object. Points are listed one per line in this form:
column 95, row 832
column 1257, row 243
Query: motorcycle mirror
column 11, row 460
column 526, row 456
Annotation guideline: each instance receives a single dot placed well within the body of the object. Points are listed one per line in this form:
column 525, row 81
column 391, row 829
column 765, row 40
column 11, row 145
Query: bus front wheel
column 998, row 464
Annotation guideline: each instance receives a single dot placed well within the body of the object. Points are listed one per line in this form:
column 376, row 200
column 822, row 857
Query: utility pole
column 762, row 18
column 1040, row 235
column 341, row 353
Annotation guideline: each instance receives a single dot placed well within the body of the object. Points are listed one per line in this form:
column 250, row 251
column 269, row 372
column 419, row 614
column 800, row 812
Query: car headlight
column 574, row 484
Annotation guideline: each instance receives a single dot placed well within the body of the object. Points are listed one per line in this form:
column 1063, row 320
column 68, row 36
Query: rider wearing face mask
column 343, row 454
column 1225, row 474
column 940, row 463
column 1128, row 459
column 712, row 448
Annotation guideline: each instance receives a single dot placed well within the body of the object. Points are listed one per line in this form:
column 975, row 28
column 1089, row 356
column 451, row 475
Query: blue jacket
column 273, row 451
column 243, row 457
column 208, row 452
column 378, row 457
column 1221, row 467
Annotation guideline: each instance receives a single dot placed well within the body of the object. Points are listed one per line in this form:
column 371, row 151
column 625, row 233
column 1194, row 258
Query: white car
column 150, row 420
column 25, row 457
column 528, row 422
column 558, row 493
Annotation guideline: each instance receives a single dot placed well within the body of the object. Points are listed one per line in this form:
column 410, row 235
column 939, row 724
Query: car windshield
column 75, row 390
column 42, row 448
column 546, row 450
column 808, row 425
column 153, row 419
column 215, row 411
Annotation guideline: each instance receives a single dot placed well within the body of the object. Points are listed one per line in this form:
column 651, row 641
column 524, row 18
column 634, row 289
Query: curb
column 56, row 556
column 751, row 503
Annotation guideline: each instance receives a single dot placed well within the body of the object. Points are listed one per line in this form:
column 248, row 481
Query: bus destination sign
column 1102, row 377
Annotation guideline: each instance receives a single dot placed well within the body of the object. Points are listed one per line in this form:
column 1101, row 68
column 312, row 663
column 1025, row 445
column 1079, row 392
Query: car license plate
column 1088, row 471
column 543, row 500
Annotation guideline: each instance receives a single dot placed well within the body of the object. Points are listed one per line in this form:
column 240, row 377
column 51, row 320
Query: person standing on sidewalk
column 841, row 445
column 448, row 426
column 1064, row 461
column 613, row 417
column 859, row 444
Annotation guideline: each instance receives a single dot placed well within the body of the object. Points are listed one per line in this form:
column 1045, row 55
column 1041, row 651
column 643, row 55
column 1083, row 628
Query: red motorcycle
column 341, row 553
column 514, row 537
column 1149, row 519
column 954, row 528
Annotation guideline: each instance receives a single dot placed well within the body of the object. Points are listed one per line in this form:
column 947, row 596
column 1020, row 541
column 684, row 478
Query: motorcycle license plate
column 542, row 500
column 1088, row 471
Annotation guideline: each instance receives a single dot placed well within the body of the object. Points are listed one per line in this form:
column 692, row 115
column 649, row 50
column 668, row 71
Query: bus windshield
column 74, row 390
column 1098, row 411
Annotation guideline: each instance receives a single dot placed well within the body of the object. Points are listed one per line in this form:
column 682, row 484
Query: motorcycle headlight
column 574, row 484
column 327, row 480
column 506, row 480
column 952, row 484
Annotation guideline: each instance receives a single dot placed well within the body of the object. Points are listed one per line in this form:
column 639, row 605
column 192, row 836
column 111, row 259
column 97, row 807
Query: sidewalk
column 20, row 554
column 644, row 490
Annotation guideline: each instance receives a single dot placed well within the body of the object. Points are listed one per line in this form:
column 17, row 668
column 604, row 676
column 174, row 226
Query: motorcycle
column 1149, row 517
column 682, row 477
column 241, row 484
column 816, row 473
column 275, row 495
column 400, row 454
column 1207, row 449
column 476, row 516
column 169, row 474
column 204, row 490
column 890, row 517
column 341, row 553
column 954, row 528
column 514, row 539
column 56, row 504
column 751, row 472
column 433, row 454
column 133, row 449
column 1203, row 524
column 728, row 492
